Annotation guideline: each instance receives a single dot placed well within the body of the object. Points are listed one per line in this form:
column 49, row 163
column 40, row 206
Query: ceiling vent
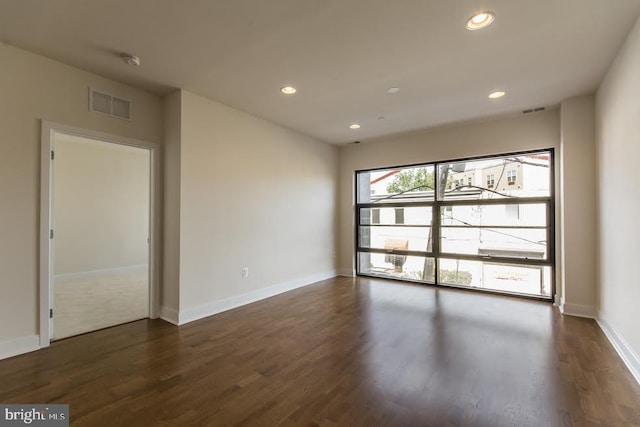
column 532, row 110
column 104, row 103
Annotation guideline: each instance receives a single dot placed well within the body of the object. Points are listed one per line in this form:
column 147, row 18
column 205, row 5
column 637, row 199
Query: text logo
column 34, row 415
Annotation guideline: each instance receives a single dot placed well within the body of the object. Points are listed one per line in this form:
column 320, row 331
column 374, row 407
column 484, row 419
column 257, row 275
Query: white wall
column 170, row 298
column 252, row 194
column 101, row 205
column 578, row 205
column 516, row 133
column 618, row 151
column 35, row 88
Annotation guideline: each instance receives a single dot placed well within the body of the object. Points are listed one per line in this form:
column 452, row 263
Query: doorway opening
column 98, row 230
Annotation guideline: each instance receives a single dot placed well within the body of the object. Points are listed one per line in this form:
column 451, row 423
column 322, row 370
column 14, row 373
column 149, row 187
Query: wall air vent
column 104, row 103
column 533, row 110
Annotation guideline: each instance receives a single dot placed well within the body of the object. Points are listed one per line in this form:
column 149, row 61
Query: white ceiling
column 342, row 55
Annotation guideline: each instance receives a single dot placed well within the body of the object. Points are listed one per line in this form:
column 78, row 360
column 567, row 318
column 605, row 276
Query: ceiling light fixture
column 354, row 126
column 393, row 89
column 132, row 60
column 497, row 94
column 288, row 90
column 480, row 20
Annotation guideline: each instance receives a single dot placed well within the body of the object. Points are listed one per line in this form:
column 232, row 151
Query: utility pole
column 428, row 272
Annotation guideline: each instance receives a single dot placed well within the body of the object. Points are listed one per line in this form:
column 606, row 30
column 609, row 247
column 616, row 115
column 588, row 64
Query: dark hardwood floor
column 340, row 352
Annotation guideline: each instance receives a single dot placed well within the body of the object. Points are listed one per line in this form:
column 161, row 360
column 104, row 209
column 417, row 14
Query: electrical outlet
column 245, row 271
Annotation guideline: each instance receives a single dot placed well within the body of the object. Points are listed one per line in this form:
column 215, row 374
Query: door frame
column 49, row 130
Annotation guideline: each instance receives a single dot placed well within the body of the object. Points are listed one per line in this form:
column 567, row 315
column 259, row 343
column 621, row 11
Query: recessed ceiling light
column 354, row 126
column 393, row 89
column 480, row 20
column 497, row 94
column 288, row 90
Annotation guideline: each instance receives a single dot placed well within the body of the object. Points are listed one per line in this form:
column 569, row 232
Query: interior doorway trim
column 49, row 129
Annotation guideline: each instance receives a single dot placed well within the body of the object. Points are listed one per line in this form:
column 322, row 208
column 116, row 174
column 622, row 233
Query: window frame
column 491, row 180
column 437, row 203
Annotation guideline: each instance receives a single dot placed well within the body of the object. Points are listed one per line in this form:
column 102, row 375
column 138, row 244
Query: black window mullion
column 497, row 259
column 435, row 244
column 502, row 201
column 396, row 252
column 439, row 202
column 394, row 205
column 397, row 225
column 551, row 244
column 498, row 227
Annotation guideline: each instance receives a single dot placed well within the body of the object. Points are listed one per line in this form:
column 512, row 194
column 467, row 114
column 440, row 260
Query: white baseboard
column 578, row 310
column 628, row 356
column 215, row 307
column 18, row 346
column 169, row 314
column 129, row 269
column 346, row 272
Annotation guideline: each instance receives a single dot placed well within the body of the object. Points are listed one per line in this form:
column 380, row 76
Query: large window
column 484, row 223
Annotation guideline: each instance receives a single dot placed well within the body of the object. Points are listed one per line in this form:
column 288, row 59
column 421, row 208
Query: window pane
column 520, row 215
column 412, row 215
column 506, row 242
column 397, row 266
column 375, row 216
column 363, row 183
column 526, row 175
column 501, row 223
column 400, row 238
column 413, row 184
column 530, row 280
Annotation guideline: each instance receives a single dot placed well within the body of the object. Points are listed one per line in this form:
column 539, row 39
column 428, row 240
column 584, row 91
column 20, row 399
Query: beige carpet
column 96, row 300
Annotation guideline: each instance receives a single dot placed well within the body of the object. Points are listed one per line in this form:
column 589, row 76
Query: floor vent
column 104, row 103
